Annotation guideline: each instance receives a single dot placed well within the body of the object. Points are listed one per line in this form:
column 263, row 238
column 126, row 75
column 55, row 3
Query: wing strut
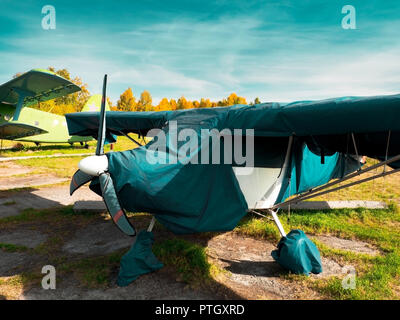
column 312, row 193
column 130, row 138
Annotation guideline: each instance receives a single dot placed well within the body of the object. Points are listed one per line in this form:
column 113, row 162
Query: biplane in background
column 19, row 122
column 302, row 149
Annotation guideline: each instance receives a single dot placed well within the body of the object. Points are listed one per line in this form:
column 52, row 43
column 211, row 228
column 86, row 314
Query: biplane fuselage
column 54, row 125
column 20, row 122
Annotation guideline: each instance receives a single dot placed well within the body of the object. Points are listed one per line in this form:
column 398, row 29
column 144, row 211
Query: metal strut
column 278, row 223
column 151, row 225
column 319, row 191
column 130, row 138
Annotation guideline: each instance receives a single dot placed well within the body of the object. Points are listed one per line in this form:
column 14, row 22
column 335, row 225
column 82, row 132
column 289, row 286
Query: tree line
column 127, row 101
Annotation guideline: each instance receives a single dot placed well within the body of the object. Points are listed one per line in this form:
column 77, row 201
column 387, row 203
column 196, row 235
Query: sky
column 276, row 50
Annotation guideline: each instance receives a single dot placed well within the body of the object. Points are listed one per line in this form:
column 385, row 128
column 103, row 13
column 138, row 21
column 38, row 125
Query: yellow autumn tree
column 70, row 103
column 163, row 105
column 205, row 103
column 110, row 104
column 183, row 103
column 145, row 102
column 173, row 104
column 77, row 99
column 127, row 101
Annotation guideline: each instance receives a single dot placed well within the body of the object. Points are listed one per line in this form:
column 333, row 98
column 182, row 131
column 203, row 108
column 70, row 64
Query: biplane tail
column 94, row 104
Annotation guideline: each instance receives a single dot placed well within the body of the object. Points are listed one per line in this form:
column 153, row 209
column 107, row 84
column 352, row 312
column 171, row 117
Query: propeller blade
column 102, row 121
column 78, row 180
column 113, row 206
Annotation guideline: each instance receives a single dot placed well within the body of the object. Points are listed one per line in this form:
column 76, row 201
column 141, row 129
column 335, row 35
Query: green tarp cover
column 138, row 260
column 302, row 118
column 324, row 125
column 197, row 197
column 307, row 171
column 298, row 254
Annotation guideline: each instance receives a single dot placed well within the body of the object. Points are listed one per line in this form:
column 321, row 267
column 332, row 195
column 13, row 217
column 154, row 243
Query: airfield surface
column 39, row 227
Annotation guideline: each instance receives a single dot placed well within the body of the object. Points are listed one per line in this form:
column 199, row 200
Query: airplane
column 302, row 150
column 20, row 123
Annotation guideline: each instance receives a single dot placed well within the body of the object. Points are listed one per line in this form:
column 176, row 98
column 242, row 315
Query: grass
column 189, row 259
column 12, row 247
column 9, row 203
column 30, row 149
column 92, row 272
column 382, row 189
column 63, row 167
column 376, row 275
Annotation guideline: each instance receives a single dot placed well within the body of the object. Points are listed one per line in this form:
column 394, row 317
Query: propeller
column 97, row 166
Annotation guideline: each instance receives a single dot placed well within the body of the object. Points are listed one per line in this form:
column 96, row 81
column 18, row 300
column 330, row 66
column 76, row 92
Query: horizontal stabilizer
column 12, row 131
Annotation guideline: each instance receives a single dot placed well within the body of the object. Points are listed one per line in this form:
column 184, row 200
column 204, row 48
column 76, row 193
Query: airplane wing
column 312, row 143
column 12, row 131
column 325, row 124
column 37, row 85
column 87, row 123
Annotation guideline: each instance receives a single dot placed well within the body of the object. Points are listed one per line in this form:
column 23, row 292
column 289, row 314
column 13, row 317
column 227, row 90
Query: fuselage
column 55, row 125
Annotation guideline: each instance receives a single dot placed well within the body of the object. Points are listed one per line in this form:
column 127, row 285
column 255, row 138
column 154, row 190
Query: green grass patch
column 93, row 272
column 8, row 247
column 21, row 149
column 376, row 275
column 189, row 259
column 9, row 203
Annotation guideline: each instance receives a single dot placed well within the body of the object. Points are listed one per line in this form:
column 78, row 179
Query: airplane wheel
column 86, row 146
column 81, row 143
column 37, row 144
column 71, row 144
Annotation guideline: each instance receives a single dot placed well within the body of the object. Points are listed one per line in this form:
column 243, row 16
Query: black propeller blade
column 106, row 184
column 78, row 180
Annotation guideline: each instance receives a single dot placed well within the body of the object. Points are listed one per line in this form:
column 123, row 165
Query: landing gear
column 81, row 143
column 37, row 144
column 86, row 146
column 71, row 144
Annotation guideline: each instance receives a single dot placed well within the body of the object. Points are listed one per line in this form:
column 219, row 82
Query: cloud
column 275, row 51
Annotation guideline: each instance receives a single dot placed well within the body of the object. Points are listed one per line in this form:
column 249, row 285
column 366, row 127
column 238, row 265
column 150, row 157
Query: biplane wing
column 13, row 131
column 328, row 137
column 299, row 148
column 118, row 122
column 39, row 85
column 327, row 126
column 34, row 86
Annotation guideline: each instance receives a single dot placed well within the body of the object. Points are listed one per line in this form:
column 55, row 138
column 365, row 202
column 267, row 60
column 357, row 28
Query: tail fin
column 94, row 104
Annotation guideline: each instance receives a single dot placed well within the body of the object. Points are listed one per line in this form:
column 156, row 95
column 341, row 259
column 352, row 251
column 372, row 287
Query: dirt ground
column 248, row 270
